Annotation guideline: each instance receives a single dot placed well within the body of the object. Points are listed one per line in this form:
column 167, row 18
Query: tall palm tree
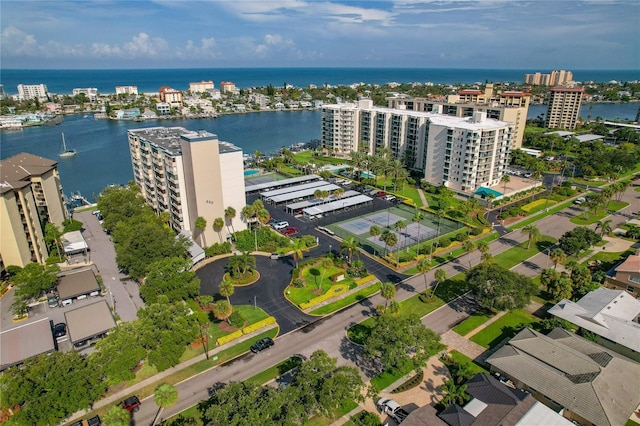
column 218, row 224
column 349, row 246
column 399, row 226
column 388, row 291
column 222, row 310
column 165, row 396
column 604, row 226
column 235, row 265
column 483, row 247
column 117, row 416
column 248, row 213
column 453, row 394
column 557, row 255
column 226, row 289
column 248, row 262
column 201, row 224
column 418, row 217
column 375, row 231
column 325, row 264
column 229, row 215
column 389, row 238
column 505, row 179
column 424, row 266
column 533, row 233
column 297, row 247
column 441, row 276
column 468, row 247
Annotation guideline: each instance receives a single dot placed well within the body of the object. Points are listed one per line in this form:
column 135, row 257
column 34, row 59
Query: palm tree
column 222, row 310
column 256, row 156
column 117, row 416
column 505, row 179
column 394, row 307
column 263, row 216
column 297, row 247
column 483, row 247
column 418, row 217
column 557, row 255
column 248, row 262
column 389, row 238
column 439, row 214
column 248, row 213
column 229, row 215
column 468, row 247
column 533, row 232
column 235, row 265
column 375, row 231
column 453, row 394
column 388, row 291
column 165, row 217
column 165, row 396
column 399, row 226
column 226, row 290
column 349, row 246
column 325, row 265
column 424, row 266
column 441, row 276
column 201, row 225
column 218, row 224
column 604, row 227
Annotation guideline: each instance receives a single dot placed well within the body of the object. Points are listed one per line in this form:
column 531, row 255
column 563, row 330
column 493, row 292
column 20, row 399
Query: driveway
column 267, row 293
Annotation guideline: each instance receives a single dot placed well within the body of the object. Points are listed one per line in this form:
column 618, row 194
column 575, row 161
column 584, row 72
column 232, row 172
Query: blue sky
column 541, row 34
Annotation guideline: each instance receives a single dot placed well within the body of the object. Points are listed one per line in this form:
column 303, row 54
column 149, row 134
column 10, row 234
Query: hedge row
column 258, row 325
column 229, row 337
column 334, row 291
column 364, row 280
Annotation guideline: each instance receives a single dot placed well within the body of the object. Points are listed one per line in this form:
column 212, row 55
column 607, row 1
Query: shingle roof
column 455, row 415
column 560, row 366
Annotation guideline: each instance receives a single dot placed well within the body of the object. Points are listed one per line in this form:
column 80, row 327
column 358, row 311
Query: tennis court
column 412, row 234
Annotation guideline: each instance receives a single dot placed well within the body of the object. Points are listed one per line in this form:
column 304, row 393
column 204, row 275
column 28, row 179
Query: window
column 630, row 288
column 634, row 279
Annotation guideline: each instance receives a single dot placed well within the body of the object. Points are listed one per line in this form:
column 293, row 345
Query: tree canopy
column 401, row 343
column 116, row 364
column 578, row 239
column 498, row 288
column 171, row 277
column 33, row 281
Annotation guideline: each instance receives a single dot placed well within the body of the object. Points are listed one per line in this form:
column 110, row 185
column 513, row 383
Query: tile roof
column 598, row 385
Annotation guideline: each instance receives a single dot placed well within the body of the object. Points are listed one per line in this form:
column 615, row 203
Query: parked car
column 131, row 404
column 59, row 330
column 580, row 200
column 392, row 408
column 280, row 225
column 53, row 301
column 94, row 421
column 290, row 230
column 389, row 197
column 381, row 194
column 262, row 344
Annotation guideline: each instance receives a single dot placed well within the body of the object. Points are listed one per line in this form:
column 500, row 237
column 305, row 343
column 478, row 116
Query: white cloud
column 17, row 42
column 275, row 43
column 144, row 46
column 206, row 49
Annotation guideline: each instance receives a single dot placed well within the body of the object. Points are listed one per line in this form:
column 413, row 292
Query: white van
column 280, row 225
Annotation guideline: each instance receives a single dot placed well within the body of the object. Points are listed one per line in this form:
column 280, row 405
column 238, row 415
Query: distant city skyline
column 111, row 34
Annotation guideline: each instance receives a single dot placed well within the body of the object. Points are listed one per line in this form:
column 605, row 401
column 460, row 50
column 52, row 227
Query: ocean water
column 103, row 149
column 149, row 81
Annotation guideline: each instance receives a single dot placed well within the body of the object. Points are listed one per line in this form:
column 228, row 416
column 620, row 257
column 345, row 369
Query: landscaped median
column 246, row 330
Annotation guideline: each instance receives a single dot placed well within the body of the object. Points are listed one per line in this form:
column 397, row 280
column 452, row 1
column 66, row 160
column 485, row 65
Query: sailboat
column 64, row 151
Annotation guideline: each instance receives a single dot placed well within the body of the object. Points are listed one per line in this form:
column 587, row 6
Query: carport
column 340, row 204
column 73, row 243
column 26, row 341
column 291, row 208
column 89, row 323
column 77, row 285
column 305, row 193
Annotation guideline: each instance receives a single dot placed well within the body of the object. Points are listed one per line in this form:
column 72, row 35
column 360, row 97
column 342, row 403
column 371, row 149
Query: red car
column 289, row 231
column 131, row 404
column 381, row 194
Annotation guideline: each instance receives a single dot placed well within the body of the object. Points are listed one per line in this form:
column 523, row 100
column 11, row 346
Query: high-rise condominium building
column 32, row 91
column 31, row 196
column 509, row 106
column 201, row 86
column 554, row 78
column 189, row 174
column 126, row 90
column 462, row 153
column 563, row 108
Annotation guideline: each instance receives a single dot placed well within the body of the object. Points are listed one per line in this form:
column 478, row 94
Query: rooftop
column 16, row 171
column 76, row 284
column 170, row 139
column 612, row 314
column 24, row 342
column 89, row 321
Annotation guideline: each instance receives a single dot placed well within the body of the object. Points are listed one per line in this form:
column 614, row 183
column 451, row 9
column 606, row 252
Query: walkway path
column 425, row 203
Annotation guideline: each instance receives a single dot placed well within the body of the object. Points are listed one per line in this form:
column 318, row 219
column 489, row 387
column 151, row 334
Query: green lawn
column 347, row 301
column 462, row 359
column 518, row 254
column 534, row 218
column 588, row 218
column 275, row 371
column 315, row 285
column 471, row 323
column 505, row 327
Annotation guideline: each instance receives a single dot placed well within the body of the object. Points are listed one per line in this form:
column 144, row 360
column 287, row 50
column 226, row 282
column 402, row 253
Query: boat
column 64, row 151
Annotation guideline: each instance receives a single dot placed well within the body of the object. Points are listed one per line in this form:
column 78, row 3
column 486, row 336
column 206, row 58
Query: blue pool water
column 251, row 172
column 367, row 175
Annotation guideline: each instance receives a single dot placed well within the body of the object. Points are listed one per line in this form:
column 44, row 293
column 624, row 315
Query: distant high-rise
column 30, row 196
column 32, row 91
column 189, row 174
column 554, row 78
column 563, row 107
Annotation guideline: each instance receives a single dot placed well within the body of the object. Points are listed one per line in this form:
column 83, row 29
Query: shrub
column 365, row 280
column 204, row 300
column 258, row 325
column 444, row 242
column 298, row 283
column 475, row 231
column 217, row 249
column 236, row 319
column 229, row 337
column 365, row 418
column 463, row 236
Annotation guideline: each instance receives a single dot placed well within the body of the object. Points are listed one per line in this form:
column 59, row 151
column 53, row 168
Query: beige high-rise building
column 202, row 86
column 563, row 108
column 462, row 153
column 509, row 106
column 31, row 196
column 554, row 78
column 189, row 174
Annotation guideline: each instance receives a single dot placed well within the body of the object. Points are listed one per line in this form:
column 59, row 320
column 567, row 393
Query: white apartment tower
column 462, row 153
column 32, row 91
column 189, row 174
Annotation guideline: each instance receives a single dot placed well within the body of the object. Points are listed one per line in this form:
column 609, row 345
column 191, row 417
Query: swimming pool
column 251, row 172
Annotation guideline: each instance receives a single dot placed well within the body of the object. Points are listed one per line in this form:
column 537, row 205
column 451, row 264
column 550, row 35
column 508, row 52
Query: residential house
column 626, row 276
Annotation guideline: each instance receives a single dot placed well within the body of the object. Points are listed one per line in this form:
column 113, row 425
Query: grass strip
column 347, row 301
column 471, row 323
column 505, row 327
